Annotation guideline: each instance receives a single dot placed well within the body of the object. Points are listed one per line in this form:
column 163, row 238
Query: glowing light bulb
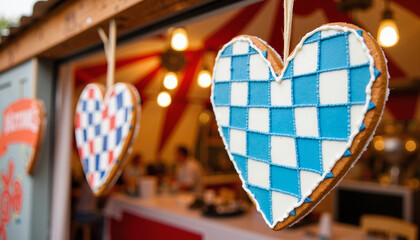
column 170, row 81
column 164, row 99
column 204, row 79
column 388, row 33
column 179, row 40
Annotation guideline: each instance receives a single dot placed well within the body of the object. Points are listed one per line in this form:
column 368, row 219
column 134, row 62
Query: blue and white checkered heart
column 284, row 133
column 105, row 129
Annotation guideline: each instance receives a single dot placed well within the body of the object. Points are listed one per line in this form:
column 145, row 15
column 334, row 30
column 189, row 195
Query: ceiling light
column 388, row 31
column 170, row 81
column 164, row 99
column 179, row 39
column 204, row 78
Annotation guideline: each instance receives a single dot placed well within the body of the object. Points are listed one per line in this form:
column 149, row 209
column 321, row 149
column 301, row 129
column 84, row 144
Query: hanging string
column 288, row 15
column 112, row 40
column 109, row 46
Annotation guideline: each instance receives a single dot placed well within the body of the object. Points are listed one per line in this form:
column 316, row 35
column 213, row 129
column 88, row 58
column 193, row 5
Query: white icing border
column 105, row 95
column 278, row 79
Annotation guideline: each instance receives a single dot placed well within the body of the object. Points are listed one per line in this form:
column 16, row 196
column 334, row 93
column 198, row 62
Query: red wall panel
column 133, row 227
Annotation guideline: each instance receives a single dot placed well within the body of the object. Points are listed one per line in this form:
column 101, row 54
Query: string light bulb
column 204, row 78
column 164, row 99
column 179, row 39
column 170, row 81
column 388, row 34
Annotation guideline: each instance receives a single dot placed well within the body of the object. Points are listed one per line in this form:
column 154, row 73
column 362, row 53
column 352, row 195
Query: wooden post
column 35, row 77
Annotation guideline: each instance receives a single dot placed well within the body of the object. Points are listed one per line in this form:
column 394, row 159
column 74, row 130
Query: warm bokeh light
column 414, row 183
column 164, row 99
column 378, row 143
column 384, row 180
column 393, row 144
column 170, row 81
column 179, row 40
column 204, row 79
column 410, row 145
column 204, row 117
column 388, row 33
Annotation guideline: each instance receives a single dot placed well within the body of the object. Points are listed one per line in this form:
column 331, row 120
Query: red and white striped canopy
column 162, row 129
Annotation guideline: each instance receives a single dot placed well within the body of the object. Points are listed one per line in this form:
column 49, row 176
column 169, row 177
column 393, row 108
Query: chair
column 392, row 227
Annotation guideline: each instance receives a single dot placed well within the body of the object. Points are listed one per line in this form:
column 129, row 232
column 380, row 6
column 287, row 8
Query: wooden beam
column 72, row 26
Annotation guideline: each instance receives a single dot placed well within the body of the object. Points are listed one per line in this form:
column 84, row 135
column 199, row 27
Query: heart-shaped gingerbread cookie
column 293, row 132
column 105, row 129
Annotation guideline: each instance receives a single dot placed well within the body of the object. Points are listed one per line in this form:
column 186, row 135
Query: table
column 170, row 214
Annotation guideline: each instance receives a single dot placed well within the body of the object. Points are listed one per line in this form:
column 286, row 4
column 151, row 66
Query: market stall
column 155, row 129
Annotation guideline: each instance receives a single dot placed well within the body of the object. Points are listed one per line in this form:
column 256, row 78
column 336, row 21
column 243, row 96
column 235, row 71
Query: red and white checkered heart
column 105, row 130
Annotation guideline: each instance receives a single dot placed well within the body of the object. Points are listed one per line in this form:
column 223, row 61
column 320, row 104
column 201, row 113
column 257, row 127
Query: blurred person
column 189, row 172
column 87, row 211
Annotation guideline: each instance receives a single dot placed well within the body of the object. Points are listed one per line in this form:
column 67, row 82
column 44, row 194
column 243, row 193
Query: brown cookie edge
column 372, row 118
